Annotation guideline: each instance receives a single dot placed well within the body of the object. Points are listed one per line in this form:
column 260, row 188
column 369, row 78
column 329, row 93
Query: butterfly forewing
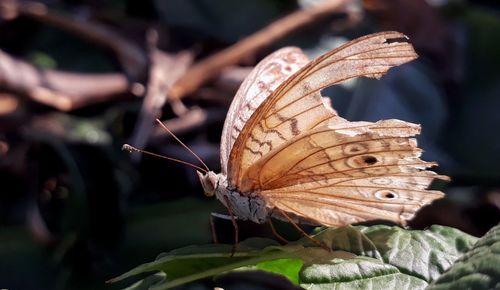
column 295, row 107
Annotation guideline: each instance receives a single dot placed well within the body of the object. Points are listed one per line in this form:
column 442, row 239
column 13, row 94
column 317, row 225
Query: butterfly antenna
column 183, row 145
column 130, row 148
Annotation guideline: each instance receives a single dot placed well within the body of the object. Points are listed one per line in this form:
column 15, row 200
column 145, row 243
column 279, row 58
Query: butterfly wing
column 347, row 172
column 296, row 107
column 302, row 158
column 258, row 85
column 336, row 211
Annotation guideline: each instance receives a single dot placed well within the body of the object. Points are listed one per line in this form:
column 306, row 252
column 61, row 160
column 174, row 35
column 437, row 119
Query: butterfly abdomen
column 249, row 206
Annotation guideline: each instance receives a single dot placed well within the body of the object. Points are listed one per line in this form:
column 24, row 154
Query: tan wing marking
column 296, row 107
column 337, row 203
column 336, row 215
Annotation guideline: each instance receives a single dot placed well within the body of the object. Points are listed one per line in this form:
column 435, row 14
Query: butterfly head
column 209, row 181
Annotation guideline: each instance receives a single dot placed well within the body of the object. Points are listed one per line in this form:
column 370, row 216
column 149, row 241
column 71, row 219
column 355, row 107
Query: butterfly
column 285, row 153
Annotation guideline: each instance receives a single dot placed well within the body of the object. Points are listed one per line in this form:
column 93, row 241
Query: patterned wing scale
column 336, row 205
column 337, row 202
column 262, row 81
column 295, row 107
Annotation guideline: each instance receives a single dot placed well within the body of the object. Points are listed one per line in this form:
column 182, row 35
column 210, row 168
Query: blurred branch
column 164, row 71
column 194, row 118
column 231, row 78
column 62, row 90
column 210, row 67
column 8, row 105
column 132, row 57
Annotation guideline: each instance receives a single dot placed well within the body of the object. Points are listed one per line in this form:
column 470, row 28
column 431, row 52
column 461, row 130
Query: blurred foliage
column 76, row 211
column 477, row 269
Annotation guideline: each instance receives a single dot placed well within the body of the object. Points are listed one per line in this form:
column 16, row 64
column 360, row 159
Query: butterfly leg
column 212, row 230
column 235, row 225
column 275, row 232
column 319, row 243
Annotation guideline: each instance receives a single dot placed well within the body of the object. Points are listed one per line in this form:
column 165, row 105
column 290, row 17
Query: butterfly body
column 284, row 148
column 245, row 206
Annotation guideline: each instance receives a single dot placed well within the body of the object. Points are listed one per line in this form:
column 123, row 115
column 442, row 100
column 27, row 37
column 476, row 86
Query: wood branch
column 210, row 67
column 194, row 119
column 8, row 104
column 165, row 70
column 131, row 56
column 231, row 78
column 62, row 90
column 222, row 89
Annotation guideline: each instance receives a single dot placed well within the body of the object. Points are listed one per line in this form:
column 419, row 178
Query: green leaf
column 196, row 262
column 387, row 257
column 148, row 282
column 358, row 273
column 376, row 257
column 478, row 269
column 287, row 267
column 424, row 254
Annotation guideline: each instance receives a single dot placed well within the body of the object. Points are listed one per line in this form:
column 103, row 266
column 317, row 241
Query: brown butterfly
column 285, row 153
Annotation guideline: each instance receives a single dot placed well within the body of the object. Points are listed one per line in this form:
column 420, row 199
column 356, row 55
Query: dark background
column 76, row 211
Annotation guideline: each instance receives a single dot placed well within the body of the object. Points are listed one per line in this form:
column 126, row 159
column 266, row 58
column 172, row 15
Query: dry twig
column 196, row 118
column 210, row 67
column 62, row 90
column 164, row 71
column 132, row 57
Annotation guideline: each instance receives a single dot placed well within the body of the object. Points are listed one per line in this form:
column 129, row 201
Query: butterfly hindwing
column 339, row 208
column 258, row 85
